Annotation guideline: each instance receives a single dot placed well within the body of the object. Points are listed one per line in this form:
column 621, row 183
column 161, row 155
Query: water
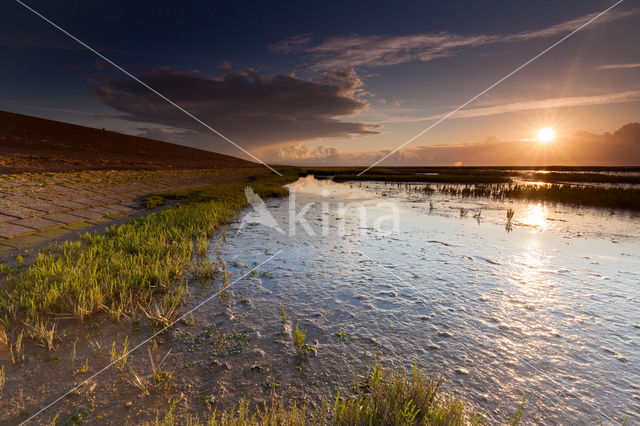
column 548, row 310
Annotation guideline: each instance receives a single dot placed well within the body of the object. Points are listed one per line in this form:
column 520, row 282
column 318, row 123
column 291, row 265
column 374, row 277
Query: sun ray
column 546, row 135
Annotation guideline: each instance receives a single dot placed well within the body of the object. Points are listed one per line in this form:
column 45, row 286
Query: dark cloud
column 251, row 108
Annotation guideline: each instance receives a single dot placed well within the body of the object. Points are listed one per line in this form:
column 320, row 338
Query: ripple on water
column 542, row 312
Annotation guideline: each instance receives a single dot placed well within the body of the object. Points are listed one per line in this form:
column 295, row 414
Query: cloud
column 548, row 103
column 568, row 101
column 300, row 153
column 619, row 66
column 253, row 109
column 381, row 50
column 622, row 148
column 291, row 44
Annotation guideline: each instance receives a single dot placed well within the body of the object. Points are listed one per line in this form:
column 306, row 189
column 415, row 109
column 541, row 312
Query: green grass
column 380, row 397
column 299, row 337
column 228, row 344
column 129, row 265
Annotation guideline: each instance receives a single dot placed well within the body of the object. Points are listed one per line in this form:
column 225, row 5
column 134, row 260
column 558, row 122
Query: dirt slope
column 30, row 144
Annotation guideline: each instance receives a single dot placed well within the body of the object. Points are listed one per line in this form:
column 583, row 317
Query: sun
column 546, row 134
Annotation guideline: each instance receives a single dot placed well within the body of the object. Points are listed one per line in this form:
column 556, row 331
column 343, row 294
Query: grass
column 228, row 344
column 299, row 337
column 161, row 377
column 83, row 369
column 585, row 178
column 131, row 265
column 415, row 174
column 402, row 399
column 341, row 336
column 515, row 417
column 141, row 383
column 621, row 198
column 165, row 309
column 16, row 350
column 119, row 358
column 41, row 332
column 380, row 397
column 152, row 201
column 479, row 181
column 436, row 178
column 407, row 171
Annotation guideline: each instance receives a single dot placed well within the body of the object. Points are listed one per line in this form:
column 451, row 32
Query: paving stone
column 53, row 232
column 87, row 213
column 104, row 209
column 25, row 241
column 10, row 230
column 20, row 212
column 36, row 223
column 88, row 201
column 117, row 208
column 5, row 218
column 40, row 205
column 68, row 204
column 5, row 249
column 100, row 220
column 78, row 201
column 131, row 204
column 130, row 195
column 56, row 208
column 118, row 215
column 77, row 226
column 64, row 217
column 106, row 198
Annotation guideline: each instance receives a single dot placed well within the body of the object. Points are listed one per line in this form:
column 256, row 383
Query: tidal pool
column 549, row 309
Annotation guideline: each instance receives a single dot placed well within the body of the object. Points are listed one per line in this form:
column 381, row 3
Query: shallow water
column 548, row 310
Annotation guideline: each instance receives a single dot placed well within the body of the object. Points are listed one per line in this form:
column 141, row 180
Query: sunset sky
column 327, row 82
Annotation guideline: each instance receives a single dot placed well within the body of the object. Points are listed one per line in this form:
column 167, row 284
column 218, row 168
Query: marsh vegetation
column 378, row 396
column 593, row 187
column 603, row 197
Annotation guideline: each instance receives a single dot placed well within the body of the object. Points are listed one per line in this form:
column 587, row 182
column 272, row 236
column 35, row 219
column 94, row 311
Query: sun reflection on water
column 536, row 217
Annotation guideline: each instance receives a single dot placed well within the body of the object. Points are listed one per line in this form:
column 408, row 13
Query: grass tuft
column 299, row 337
column 41, row 332
column 119, row 359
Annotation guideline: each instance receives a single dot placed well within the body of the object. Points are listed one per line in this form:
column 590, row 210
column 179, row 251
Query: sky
column 331, row 83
